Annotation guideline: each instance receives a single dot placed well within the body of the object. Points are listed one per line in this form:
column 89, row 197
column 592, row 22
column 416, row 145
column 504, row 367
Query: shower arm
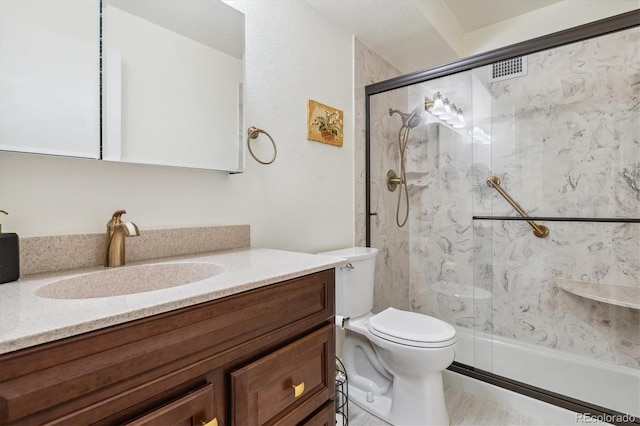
column 539, row 231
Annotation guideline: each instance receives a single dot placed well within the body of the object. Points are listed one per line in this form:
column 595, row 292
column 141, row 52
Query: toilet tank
column 354, row 282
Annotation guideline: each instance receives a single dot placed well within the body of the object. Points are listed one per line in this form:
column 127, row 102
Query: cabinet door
column 195, row 408
column 287, row 385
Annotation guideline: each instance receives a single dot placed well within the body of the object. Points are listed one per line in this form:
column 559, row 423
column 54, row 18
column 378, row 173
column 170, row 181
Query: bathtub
column 596, row 382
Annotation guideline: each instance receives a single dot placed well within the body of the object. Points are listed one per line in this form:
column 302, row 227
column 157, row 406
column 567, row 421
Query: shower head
column 410, row 120
column 416, row 118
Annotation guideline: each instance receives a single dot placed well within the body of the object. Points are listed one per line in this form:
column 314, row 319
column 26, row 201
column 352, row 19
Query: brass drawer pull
column 213, row 422
column 298, row 389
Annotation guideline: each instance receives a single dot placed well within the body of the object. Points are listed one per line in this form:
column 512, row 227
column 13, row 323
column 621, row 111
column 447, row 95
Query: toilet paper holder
column 341, row 321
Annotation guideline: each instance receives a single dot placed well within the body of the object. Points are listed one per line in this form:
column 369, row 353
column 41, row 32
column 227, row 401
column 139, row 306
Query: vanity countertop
column 28, row 320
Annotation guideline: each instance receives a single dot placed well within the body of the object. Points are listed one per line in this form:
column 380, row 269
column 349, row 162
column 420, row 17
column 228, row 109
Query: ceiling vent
column 510, row 68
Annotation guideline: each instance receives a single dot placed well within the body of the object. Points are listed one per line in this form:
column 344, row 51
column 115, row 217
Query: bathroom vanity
column 259, row 351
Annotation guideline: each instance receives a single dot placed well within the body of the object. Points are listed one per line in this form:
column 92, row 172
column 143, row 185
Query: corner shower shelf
column 417, row 179
column 620, row 295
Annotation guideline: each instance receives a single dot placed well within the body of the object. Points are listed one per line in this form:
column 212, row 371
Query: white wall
column 303, row 201
column 550, row 19
column 553, row 18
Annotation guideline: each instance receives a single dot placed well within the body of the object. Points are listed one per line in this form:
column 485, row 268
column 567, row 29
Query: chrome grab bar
column 539, row 231
column 347, row 266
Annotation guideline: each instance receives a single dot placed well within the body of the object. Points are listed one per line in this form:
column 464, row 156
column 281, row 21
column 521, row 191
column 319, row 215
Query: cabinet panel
column 284, row 380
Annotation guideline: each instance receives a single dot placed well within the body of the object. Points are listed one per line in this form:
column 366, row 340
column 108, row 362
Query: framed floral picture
column 324, row 124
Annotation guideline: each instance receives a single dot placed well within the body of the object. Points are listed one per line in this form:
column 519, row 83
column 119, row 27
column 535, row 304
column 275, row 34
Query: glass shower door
column 564, row 145
column 558, row 137
column 426, row 265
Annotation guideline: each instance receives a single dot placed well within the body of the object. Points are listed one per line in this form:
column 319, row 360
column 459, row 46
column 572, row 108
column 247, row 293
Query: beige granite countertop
column 27, row 319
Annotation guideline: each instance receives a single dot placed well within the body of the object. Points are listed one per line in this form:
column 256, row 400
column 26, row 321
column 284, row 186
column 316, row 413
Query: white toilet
column 394, row 360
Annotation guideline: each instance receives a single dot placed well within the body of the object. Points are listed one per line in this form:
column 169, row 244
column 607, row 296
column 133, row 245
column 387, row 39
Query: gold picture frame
column 324, row 123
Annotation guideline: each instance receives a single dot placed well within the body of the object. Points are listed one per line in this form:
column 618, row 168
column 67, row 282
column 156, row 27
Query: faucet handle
column 115, row 220
column 116, row 215
column 130, row 228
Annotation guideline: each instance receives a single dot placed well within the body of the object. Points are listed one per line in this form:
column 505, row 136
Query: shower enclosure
column 522, row 173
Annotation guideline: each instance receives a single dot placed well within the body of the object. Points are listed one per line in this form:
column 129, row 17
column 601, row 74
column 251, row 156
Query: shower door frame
column 583, row 32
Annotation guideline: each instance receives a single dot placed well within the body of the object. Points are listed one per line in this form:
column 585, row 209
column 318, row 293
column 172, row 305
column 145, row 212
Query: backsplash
column 60, row 252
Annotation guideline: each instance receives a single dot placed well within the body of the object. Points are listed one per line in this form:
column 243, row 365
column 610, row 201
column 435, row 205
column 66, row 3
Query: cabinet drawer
column 326, row 416
column 195, row 408
column 291, row 382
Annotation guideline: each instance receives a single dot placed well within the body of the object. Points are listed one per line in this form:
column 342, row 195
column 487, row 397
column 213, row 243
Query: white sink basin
column 128, row 280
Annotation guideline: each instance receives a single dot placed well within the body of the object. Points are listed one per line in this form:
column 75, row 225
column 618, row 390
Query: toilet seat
column 411, row 329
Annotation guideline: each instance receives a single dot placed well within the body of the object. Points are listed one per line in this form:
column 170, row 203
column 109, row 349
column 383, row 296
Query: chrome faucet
column 117, row 230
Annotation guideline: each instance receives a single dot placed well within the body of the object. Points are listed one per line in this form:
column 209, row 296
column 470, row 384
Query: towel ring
column 253, row 133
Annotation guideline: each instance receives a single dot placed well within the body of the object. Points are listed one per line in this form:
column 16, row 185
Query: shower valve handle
column 393, row 180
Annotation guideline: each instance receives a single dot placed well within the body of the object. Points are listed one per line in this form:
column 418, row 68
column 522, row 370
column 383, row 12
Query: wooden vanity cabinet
column 239, row 360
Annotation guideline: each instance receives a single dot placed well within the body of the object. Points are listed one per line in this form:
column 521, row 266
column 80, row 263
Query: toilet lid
column 411, row 328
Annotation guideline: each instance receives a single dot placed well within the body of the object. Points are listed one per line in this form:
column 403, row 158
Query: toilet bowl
column 394, row 359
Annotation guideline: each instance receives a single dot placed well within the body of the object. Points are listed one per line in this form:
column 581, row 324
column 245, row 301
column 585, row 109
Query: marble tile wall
column 392, row 263
column 566, row 135
column 565, row 141
column 529, row 306
column 369, row 68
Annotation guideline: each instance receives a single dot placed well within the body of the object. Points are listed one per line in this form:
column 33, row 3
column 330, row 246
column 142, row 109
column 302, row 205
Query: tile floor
column 464, row 409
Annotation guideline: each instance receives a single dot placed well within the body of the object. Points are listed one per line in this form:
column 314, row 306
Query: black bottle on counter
column 9, row 256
